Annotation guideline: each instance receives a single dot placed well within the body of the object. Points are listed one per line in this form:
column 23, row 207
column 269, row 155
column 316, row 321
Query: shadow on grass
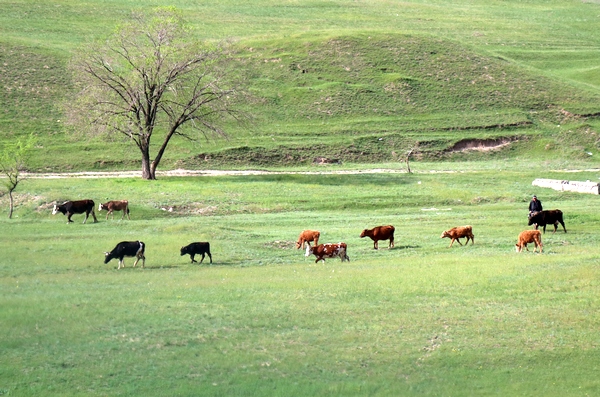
column 404, row 247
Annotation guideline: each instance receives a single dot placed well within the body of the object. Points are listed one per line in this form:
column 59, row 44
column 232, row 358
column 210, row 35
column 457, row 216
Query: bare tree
column 151, row 78
column 12, row 163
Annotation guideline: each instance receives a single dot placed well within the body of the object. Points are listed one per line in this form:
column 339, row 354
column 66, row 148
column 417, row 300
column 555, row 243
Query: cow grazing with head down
column 115, row 205
column 527, row 237
column 547, row 217
column 323, row 251
column 69, row 208
column 306, row 237
column 380, row 233
column 459, row 232
column 200, row 248
column 127, row 248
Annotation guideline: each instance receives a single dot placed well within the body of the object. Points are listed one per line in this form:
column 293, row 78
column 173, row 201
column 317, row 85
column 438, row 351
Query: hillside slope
column 361, row 96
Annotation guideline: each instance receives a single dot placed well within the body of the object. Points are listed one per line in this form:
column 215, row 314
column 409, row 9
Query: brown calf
column 527, row 237
column 306, row 237
column 115, row 205
column 459, row 232
column 380, row 233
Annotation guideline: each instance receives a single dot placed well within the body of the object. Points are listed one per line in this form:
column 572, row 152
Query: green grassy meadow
column 419, row 319
column 361, row 82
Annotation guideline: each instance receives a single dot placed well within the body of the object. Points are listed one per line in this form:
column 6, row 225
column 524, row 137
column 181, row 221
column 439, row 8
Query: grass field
column 420, row 319
column 358, row 81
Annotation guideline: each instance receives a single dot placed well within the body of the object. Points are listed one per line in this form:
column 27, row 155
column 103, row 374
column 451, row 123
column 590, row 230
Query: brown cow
column 115, row 205
column 459, row 232
column 306, row 237
column 380, row 233
column 529, row 236
column 323, row 251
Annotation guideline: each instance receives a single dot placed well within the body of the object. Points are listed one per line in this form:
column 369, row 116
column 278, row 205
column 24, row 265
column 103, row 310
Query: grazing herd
column 320, row 251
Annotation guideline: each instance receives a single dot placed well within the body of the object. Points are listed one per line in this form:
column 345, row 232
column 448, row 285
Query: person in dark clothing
column 535, row 205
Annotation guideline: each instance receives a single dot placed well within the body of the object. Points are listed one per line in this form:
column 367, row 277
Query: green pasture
column 359, row 81
column 420, row 319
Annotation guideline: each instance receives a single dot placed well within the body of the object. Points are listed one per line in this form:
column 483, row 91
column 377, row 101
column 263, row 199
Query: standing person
column 535, row 205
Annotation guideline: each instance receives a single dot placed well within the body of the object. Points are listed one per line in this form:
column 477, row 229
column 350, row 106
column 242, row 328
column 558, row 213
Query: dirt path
column 180, row 172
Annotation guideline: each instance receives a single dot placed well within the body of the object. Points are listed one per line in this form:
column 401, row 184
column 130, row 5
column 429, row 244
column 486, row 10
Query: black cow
column 547, row 217
column 199, row 248
column 76, row 207
column 127, row 248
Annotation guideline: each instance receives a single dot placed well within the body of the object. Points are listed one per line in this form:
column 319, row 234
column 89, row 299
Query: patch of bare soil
column 285, row 245
column 481, row 145
column 191, row 208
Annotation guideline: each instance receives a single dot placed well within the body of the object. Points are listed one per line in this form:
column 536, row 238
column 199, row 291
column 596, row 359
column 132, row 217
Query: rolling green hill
column 352, row 81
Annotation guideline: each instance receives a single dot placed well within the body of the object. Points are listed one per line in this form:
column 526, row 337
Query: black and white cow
column 69, row 208
column 199, row 248
column 127, row 248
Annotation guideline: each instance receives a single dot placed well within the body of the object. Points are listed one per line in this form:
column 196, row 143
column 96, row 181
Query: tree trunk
column 148, row 172
column 12, row 203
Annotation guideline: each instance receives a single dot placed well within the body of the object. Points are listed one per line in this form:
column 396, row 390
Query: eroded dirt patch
column 481, row 145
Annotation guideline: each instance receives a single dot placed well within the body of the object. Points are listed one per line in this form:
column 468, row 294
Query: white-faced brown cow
column 527, row 237
column 115, row 205
column 199, row 248
column 459, row 232
column 69, row 208
column 380, row 233
column 127, row 248
column 323, row 251
column 306, row 237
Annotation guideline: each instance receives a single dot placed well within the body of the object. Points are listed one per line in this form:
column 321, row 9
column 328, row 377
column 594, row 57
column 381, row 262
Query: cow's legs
column 391, row 242
column 210, row 256
column 563, row 225
column 121, row 264
column 143, row 258
column 376, row 244
column 94, row 215
column 202, row 258
column 192, row 256
column 69, row 215
column 452, row 242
